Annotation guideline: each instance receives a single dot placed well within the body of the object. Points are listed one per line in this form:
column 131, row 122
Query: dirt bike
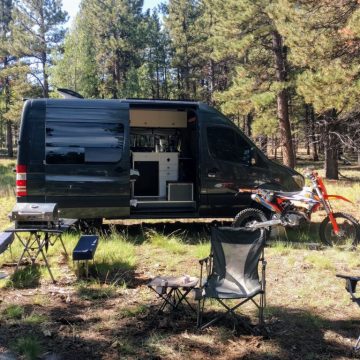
column 290, row 209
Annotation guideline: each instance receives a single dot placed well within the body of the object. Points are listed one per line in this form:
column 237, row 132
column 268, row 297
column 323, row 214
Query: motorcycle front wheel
column 349, row 230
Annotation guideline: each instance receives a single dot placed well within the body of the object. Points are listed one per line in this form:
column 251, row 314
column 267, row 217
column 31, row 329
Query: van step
column 164, row 205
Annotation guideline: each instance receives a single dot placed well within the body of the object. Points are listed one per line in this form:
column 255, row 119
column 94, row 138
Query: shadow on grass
column 95, row 291
column 27, row 277
column 294, row 334
column 305, row 335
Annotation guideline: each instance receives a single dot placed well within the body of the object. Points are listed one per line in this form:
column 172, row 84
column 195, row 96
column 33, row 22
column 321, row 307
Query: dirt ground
column 309, row 314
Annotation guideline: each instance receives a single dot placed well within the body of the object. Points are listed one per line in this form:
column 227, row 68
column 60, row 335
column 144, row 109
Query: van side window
column 226, row 144
column 83, row 142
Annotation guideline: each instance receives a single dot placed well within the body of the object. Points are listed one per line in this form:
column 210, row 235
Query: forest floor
column 110, row 315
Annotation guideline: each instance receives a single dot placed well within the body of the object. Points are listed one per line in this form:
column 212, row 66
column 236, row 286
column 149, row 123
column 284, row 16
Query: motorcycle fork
column 327, row 207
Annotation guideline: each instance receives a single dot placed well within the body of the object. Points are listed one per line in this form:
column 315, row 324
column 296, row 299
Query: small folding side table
column 173, row 290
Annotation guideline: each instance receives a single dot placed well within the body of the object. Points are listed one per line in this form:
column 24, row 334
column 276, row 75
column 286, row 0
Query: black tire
column 246, row 216
column 349, row 230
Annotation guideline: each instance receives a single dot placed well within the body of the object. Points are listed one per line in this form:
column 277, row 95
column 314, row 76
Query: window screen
column 226, row 144
column 78, row 143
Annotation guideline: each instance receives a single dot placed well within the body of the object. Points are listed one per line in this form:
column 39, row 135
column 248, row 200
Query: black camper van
column 139, row 159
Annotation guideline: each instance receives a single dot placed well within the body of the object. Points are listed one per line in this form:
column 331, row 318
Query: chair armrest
column 204, row 260
column 353, row 278
column 351, row 282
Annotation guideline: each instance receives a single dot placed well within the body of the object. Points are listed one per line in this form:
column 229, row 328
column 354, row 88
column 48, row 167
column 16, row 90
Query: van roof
column 160, row 101
column 113, row 102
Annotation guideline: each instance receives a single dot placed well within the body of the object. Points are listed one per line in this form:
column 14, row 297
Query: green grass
column 202, row 249
column 13, row 312
column 28, row 346
column 7, row 191
column 95, row 291
column 27, row 277
column 172, row 243
column 35, row 319
column 115, row 257
column 133, row 311
column 320, row 261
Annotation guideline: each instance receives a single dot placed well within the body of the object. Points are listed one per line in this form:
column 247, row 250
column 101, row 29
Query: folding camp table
column 36, row 241
column 173, row 290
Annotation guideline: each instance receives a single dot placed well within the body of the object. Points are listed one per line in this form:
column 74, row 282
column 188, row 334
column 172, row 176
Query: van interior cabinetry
column 156, row 169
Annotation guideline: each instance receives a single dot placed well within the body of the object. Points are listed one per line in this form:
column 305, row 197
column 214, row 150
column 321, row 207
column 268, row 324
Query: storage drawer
column 169, row 158
column 168, row 174
column 168, row 167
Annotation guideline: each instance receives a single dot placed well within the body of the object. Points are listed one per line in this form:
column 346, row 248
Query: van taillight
column 21, row 189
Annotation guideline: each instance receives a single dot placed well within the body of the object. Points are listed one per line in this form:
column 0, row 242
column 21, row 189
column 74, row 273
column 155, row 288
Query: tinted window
column 226, row 144
column 78, row 143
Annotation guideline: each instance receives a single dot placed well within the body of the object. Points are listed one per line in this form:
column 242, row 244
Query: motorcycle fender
column 337, row 197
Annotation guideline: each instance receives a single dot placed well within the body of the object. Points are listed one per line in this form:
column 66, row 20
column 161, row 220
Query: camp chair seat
column 232, row 271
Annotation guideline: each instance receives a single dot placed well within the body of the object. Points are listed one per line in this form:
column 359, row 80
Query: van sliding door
column 87, row 158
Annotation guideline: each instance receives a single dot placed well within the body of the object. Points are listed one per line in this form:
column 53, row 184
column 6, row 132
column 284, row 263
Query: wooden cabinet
column 158, row 118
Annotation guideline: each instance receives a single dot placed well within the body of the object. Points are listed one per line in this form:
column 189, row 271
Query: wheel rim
column 347, row 232
column 249, row 221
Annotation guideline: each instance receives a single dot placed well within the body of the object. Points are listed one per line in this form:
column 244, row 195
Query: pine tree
column 181, row 21
column 330, row 70
column 5, row 62
column 245, row 30
column 75, row 67
column 117, row 30
column 37, row 29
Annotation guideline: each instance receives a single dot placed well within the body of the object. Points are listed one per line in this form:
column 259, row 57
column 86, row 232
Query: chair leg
column 261, row 309
column 357, row 345
column 200, row 310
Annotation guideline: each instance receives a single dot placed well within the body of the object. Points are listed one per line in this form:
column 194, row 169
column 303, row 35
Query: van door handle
column 212, row 172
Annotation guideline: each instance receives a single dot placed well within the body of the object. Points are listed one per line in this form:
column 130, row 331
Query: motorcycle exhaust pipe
column 258, row 225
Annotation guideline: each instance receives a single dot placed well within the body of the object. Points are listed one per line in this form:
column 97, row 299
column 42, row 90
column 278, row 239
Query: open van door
column 87, row 157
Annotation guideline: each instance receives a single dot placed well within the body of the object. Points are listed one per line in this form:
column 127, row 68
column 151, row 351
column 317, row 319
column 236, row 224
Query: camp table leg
column 41, row 245
column 58, row 236
column 26, row 245
column 63, row 245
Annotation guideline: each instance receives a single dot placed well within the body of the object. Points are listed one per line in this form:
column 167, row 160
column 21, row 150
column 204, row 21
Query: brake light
column 21, row 182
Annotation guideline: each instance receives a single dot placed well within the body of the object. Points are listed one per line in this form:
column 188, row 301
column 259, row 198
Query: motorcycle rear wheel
column 248, row 216
column 349, row 230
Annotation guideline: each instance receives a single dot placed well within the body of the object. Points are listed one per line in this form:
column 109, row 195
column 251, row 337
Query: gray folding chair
column 232, row 272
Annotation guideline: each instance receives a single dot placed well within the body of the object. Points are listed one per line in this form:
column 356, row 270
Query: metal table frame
column 36, row 241
column 172, row 291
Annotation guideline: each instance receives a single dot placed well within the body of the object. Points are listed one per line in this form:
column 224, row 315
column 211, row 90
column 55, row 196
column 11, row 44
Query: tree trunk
column 331, row 150
column 247, row 124
column 282, row 102
column 307, row 129
column 9, row 139
column 315, row 154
